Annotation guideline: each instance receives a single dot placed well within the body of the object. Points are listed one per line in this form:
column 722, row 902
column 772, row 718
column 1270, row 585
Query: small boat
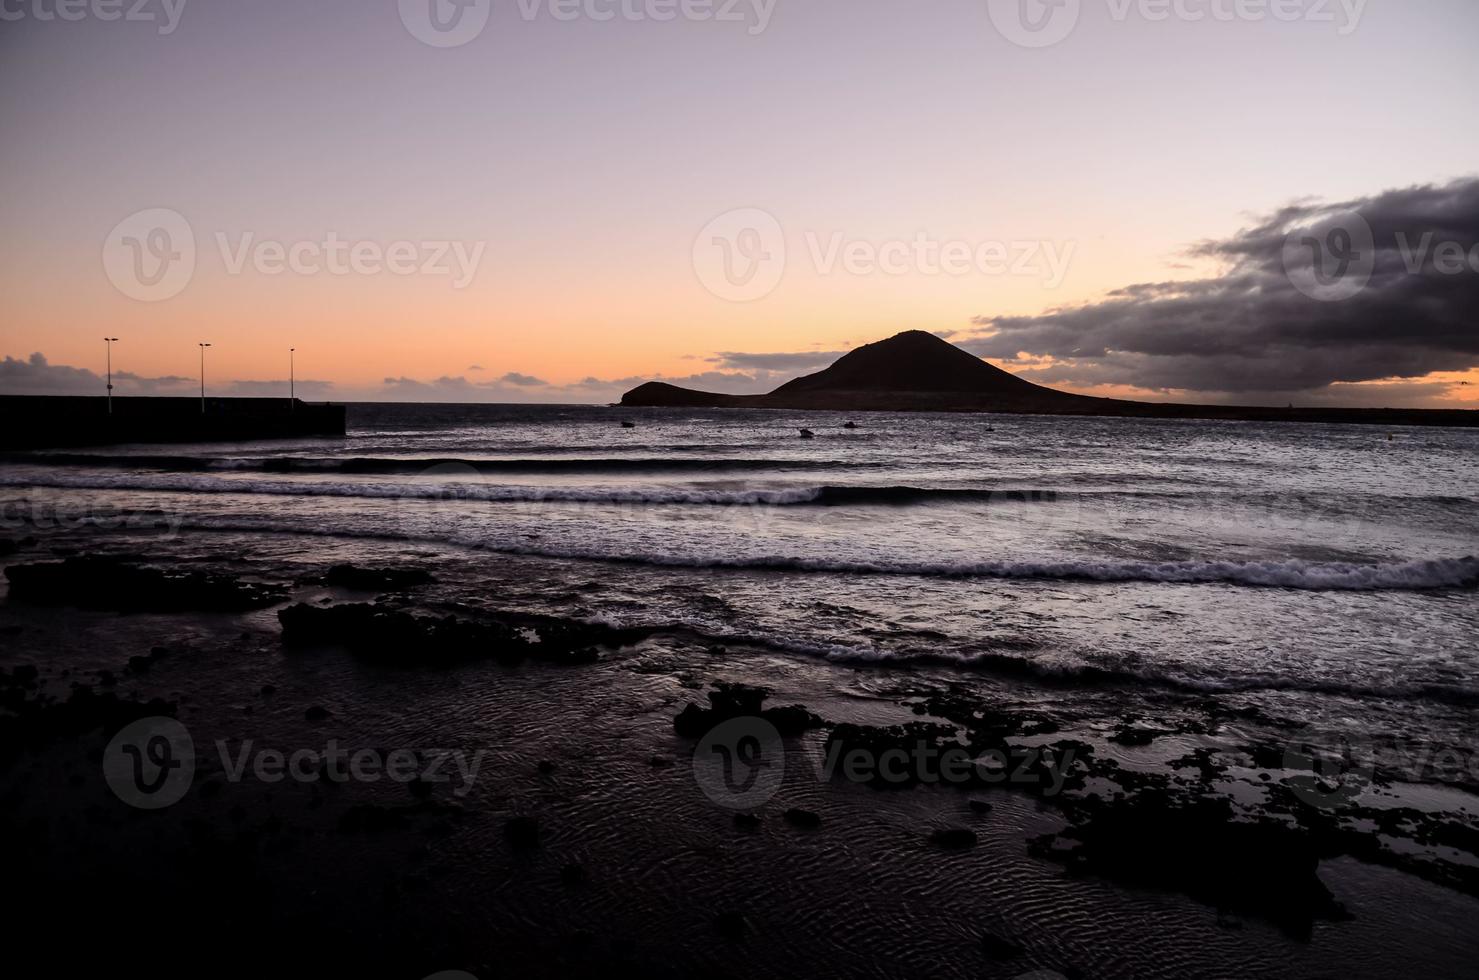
column 629, row 425
column 850, row 425
column 808, row 434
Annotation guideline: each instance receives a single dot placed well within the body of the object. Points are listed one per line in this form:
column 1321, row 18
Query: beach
column 966, row 696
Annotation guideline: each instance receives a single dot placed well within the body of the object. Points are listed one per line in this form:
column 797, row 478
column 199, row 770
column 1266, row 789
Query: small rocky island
column 916, row 371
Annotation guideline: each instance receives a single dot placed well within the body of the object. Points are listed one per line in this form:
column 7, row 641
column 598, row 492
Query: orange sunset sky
column 584, row 161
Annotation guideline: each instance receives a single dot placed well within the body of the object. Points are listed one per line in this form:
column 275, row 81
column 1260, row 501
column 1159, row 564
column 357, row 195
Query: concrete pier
column 44, row 421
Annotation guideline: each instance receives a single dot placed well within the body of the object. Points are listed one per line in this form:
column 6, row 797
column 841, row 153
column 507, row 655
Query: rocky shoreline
column 1229, row 826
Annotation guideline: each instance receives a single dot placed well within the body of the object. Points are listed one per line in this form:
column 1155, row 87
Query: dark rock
column 573, row 874
column 32, row 722
column 110, row 583
column 546, row 766
column 729, row 701
column 998, row 948
column 386, row 635
column 954, row 838
column 1268, row 869
column 980, row 806
column 268, row 690
column 746, row 821
column 522, row 832
column 805, row 819
column 1133, row 736
column 317, row 712
column 369, row 818
column 731, row 925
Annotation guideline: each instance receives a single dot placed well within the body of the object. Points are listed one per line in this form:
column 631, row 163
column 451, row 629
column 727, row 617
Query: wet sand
column 593, row 837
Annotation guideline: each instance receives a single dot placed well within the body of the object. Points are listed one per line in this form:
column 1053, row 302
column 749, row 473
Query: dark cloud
column 37, row 376
column 1252, row 329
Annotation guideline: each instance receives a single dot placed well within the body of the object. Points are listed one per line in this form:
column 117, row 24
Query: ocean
column 1107, row 572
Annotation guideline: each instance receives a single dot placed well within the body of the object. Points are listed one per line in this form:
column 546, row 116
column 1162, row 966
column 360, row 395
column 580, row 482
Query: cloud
column 522, row 380
column 1251, row 331
column 304, row 387
column 727, row 382
column 37, row 376
column 799, row 361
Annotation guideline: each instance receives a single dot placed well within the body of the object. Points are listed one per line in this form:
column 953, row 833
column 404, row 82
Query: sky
column 554, row 200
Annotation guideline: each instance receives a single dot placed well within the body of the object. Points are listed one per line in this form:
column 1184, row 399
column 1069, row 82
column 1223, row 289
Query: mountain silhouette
column 913, row 370
column 916, row 371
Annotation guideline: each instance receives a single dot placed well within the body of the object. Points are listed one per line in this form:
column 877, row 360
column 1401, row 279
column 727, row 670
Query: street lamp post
column 110, row 341
column 202, row 377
